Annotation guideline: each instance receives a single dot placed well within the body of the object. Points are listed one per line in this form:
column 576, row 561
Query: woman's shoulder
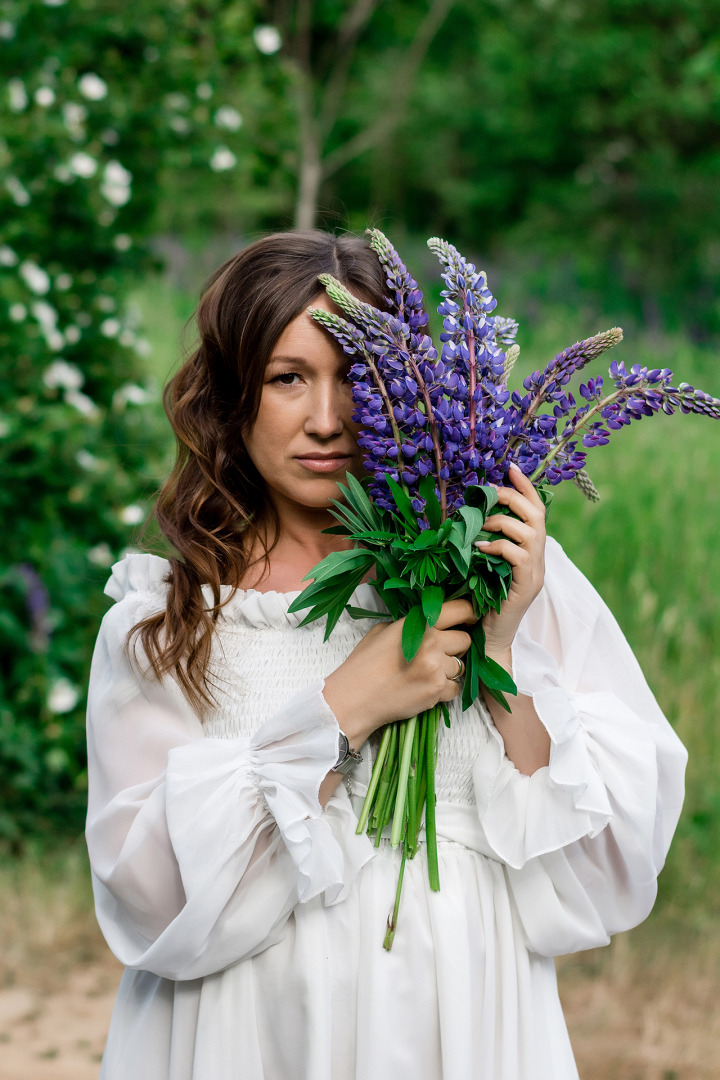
column 139, row 573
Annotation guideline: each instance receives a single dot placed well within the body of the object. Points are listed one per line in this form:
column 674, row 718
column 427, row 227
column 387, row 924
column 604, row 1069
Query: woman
column 228, row 875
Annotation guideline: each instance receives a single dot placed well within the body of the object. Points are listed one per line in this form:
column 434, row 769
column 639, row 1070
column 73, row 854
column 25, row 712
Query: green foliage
column 85, row 149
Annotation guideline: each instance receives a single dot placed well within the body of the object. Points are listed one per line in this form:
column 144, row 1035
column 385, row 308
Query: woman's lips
column 325, row 464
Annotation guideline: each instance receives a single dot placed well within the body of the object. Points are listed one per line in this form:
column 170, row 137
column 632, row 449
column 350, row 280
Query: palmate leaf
column 333, row 600
column 335, row 564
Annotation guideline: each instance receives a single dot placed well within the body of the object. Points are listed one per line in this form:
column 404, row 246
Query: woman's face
column 303, row 440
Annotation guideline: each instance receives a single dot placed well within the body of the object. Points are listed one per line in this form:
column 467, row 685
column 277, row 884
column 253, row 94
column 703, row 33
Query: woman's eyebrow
column 288, row 360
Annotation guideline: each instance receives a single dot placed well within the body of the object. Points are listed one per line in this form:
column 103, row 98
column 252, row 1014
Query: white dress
column 251, row 921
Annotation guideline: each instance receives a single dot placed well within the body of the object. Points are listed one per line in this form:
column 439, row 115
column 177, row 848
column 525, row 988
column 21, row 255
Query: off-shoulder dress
column 250, row 921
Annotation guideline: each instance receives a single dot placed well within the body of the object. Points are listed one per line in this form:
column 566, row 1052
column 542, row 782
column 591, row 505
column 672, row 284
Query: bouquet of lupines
column 438, row 432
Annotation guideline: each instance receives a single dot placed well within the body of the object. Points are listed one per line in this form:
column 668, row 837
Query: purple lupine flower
column 452, row 417
column 37, row 602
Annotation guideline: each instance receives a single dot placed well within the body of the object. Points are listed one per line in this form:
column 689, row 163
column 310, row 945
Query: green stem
column 574, row 433
column 374, row 780
column 393, row 916
column 412, row 793
column 399, row 815
column 430, row 832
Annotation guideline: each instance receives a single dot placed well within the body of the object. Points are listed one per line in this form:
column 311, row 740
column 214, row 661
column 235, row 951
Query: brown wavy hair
column 214, row 508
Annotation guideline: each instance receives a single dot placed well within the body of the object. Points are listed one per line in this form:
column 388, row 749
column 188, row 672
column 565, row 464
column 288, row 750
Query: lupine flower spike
column 439, row 428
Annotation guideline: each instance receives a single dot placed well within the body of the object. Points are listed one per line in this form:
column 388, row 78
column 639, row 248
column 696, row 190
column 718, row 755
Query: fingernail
column 514, row 465
column 483, row 543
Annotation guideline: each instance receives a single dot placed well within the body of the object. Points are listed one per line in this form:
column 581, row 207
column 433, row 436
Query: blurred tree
column 321, row 49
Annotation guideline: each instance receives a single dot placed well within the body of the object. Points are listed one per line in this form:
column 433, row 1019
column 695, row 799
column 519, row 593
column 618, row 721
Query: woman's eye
column 285, row 378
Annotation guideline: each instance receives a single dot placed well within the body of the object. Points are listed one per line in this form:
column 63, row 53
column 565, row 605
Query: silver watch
column 347, row 757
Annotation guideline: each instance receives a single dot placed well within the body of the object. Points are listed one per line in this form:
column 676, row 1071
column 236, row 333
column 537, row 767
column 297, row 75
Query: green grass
column 649, row 547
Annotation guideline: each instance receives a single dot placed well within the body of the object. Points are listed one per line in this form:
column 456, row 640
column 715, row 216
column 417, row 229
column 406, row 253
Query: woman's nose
column 327, row 414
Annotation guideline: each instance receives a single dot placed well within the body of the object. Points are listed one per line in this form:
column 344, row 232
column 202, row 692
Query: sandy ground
column 625, row 1024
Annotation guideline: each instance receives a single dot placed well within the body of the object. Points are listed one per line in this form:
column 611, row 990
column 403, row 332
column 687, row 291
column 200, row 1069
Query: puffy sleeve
column 584, row 838
column 200, row 848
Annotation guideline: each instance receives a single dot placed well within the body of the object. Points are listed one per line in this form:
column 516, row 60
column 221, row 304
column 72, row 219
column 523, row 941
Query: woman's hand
column 376, row 685
column 523, row 545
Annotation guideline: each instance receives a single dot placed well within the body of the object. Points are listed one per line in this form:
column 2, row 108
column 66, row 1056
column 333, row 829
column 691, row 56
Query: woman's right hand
column 376, row 685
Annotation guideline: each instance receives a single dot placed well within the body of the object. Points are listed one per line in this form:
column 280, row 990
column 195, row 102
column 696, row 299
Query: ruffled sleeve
column 201, row 848
column 584, row 838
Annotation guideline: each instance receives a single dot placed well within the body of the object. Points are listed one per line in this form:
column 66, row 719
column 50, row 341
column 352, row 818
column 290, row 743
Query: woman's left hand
column 523, row 545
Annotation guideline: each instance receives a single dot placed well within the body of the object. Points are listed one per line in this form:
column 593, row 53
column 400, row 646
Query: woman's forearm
column 527, row 742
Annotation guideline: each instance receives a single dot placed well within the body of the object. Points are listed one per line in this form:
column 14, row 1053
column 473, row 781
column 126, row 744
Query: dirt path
column 656, row 1023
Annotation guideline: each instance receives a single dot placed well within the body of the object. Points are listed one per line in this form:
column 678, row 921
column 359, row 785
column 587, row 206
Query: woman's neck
column 300, row 546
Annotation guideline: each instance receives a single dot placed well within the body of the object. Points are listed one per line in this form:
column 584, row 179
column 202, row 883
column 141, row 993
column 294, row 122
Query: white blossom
column 228, row 118
column 176, row 101
column 100, row 555
column 47, row 316
column 63, row 282
column 222, row 159
column 74, row 116
column 63, row 375
column 204, row 91
column 122, row 242
column 36, row 279
column 54, row 3
column 7, row 256
column 104, row 303
column 180, row 125
column 45, row 96
column 63, row 174
column 17, row 312
column 63, row 696
column 86, row 460
column 83, row 165
column 7, row 30
column 127, row 339
column 143, row 347
column 81, row 402
column 72, row 334
column 110, row 137
column 110, row 328
column 131, row 394
column 17, row 95
column 116, row 184
column 267, row 39
column 4, row 428
column 18, row 192
column 132, row 515
column 92, row 87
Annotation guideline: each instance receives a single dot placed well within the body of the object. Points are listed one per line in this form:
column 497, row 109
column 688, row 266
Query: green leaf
column 340, row 562
column 482, row 496
column 432, row 601
column 426, row 539
column 358, row 499
column 433, row 510
column 366, row 613
column 461, row 558
column 495, row 676
column 412, row 632
column 396, row 583
column 474, row 520
column 402, row 502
